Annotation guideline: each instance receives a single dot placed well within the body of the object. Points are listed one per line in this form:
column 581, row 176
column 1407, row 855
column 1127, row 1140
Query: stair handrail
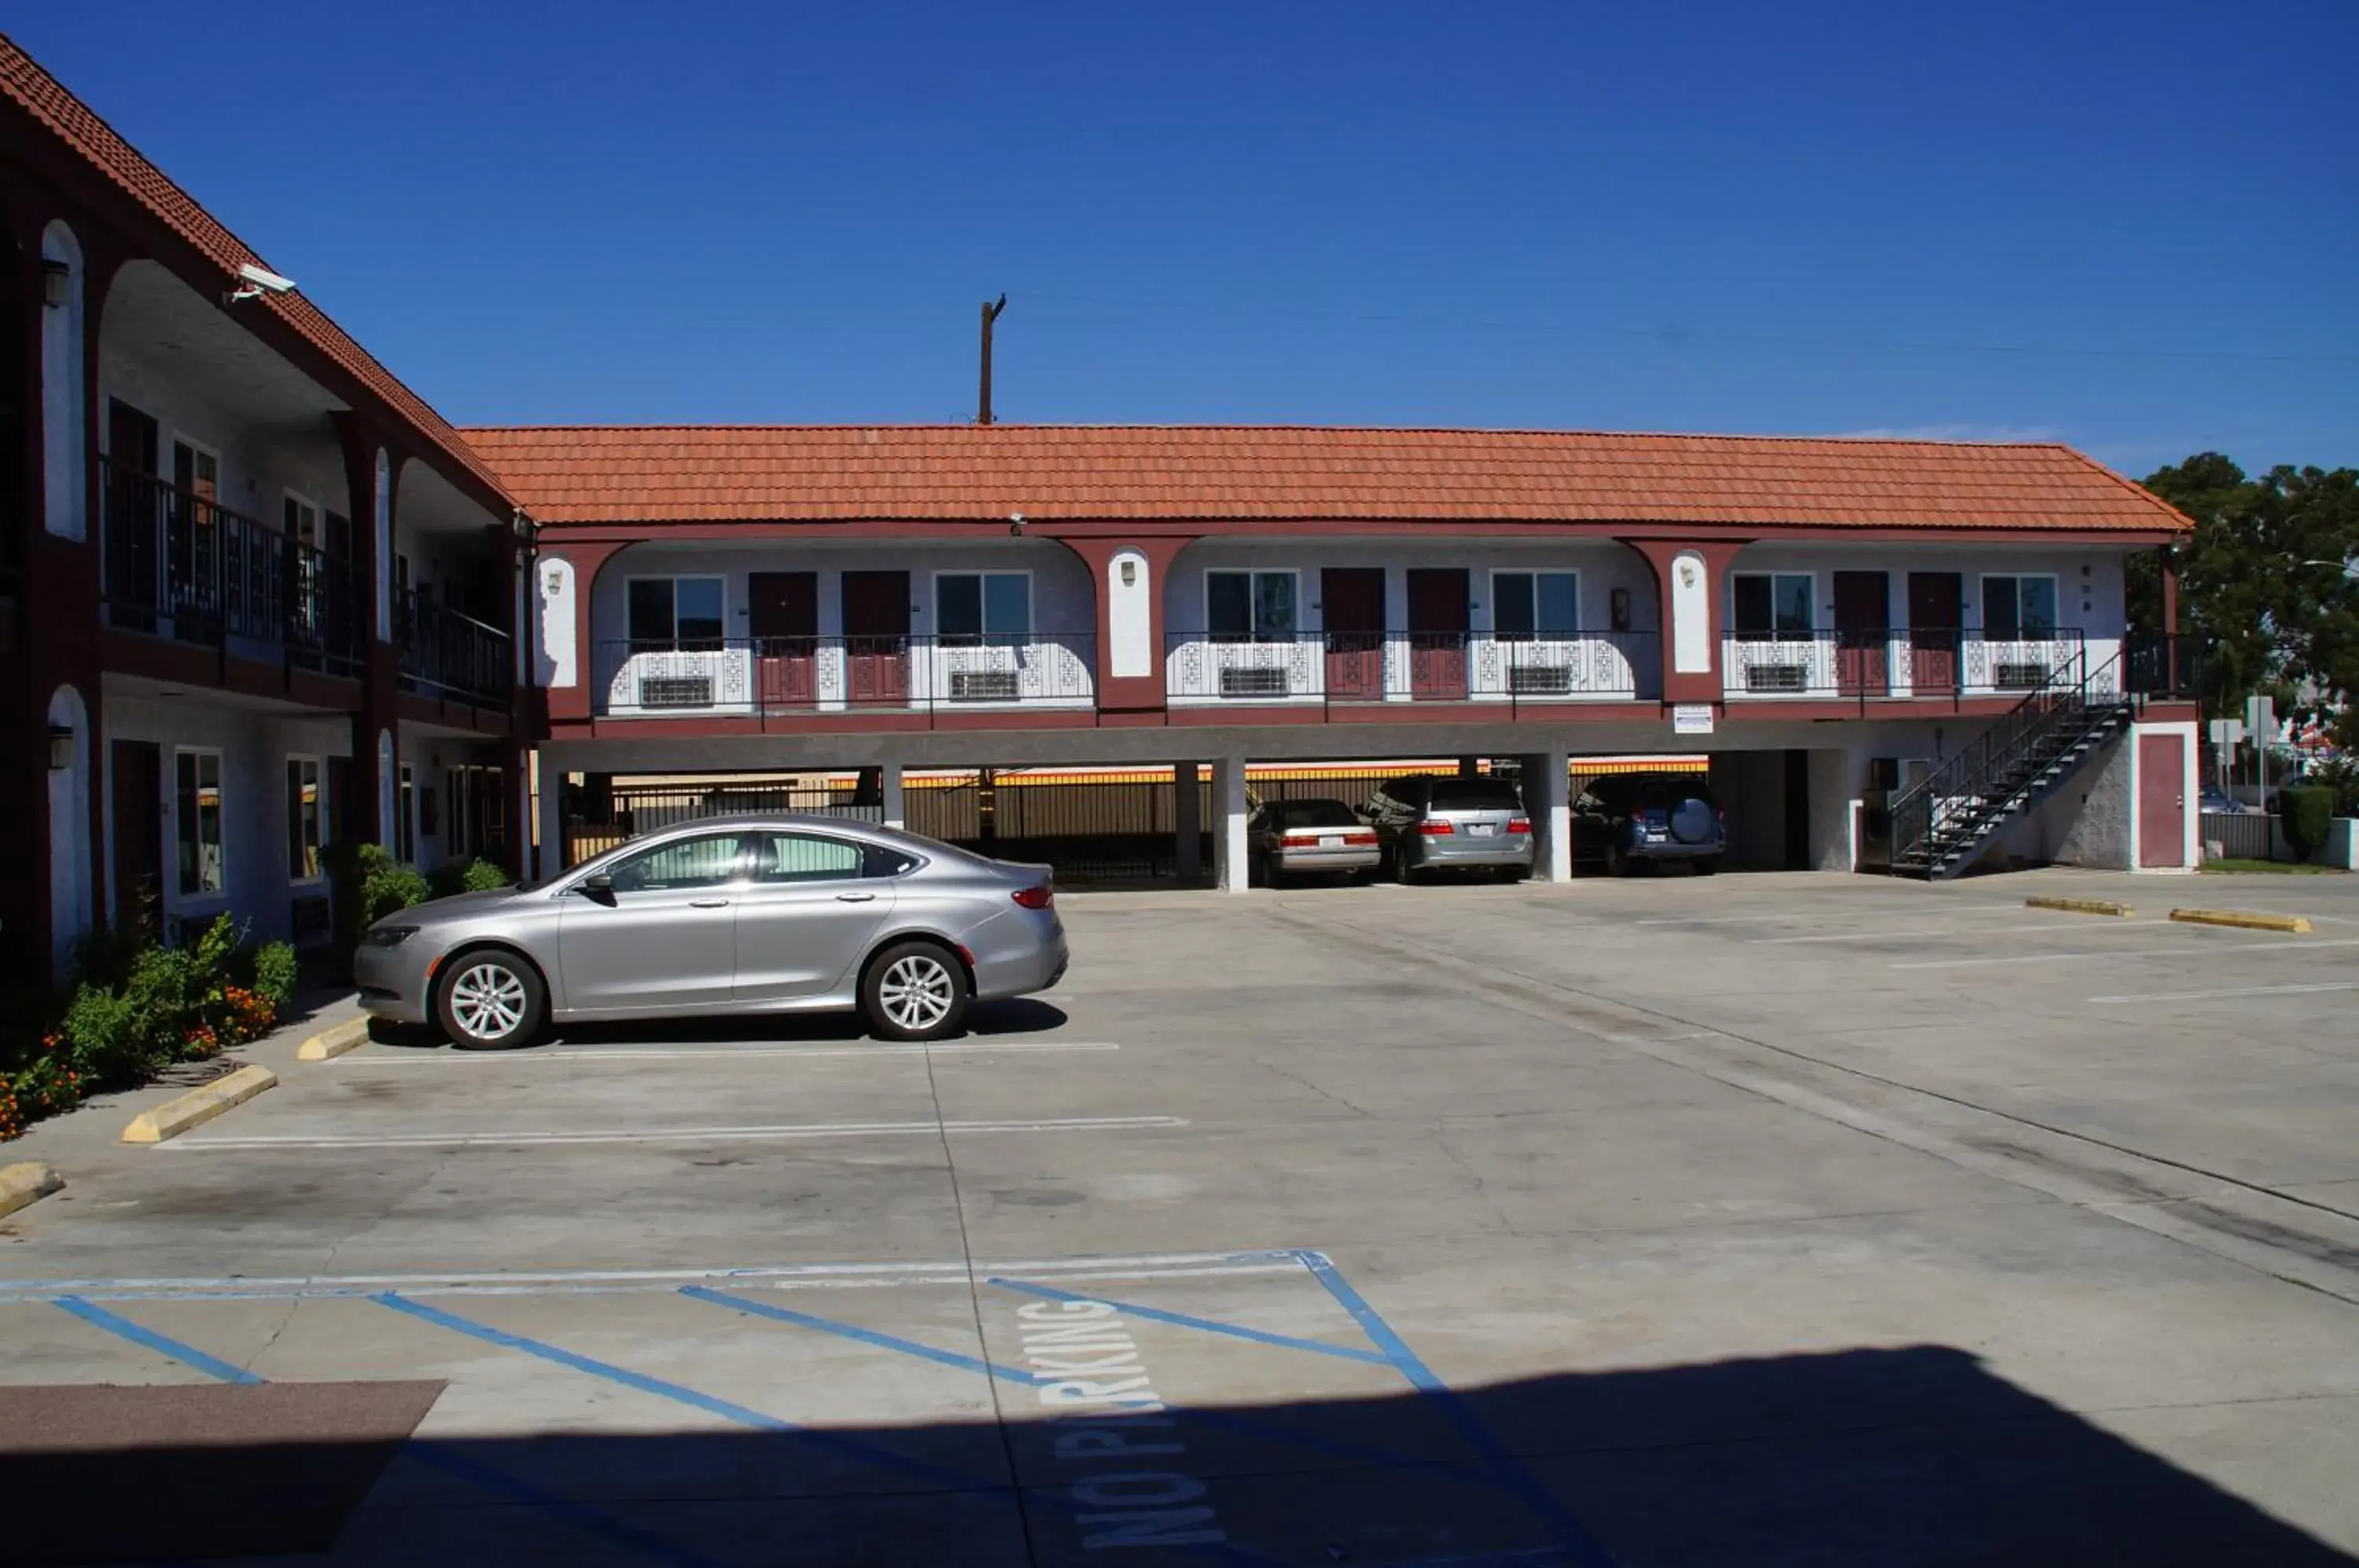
column 2063, row 696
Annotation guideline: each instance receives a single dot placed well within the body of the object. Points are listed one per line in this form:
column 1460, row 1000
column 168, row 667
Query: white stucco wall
column 1603, row 566
column 2089, row 580
column 258, row 464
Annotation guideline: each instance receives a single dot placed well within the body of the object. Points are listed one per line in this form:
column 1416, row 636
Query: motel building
column 1884, row 651
column 255, row 596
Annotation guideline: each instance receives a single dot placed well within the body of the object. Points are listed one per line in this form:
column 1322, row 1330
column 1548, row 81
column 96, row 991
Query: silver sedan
column 770, row 914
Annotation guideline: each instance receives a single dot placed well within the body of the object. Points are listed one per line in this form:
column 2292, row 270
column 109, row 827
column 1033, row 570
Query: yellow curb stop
column 198, row 1106
column 2079, row 906
column 350, row 1035
column 2244, row 919
column 26, row 1182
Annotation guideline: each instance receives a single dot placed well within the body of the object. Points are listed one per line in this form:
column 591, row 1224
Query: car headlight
column 390, row 936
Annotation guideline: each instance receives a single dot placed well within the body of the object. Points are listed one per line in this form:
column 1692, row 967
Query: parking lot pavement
column 1750, row 1219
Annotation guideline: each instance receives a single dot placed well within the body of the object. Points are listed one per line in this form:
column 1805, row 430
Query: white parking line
column 1937, row 931
column 2229, row 991
column 776, row 1134
column 2225, row 945
column 577, row 1055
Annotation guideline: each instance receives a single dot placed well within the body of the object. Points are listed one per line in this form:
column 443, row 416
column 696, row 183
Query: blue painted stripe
column 1514, row 1476
column 865, row 1335
column 950, row 1480
column 455, row 1464
column 162, row 1345
column 1209, row 1325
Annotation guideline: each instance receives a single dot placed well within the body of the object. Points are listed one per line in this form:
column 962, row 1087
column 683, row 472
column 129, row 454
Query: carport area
column 1669, row 1221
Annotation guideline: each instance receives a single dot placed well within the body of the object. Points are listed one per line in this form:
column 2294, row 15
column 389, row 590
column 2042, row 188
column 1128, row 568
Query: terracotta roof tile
column 965, row 472
column 79, row 126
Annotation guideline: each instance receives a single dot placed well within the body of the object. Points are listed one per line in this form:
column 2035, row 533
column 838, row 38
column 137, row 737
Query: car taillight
column 1035, row 897
column 1519, row 825
column 1300, row 835
column 1435, row 830
column 1361, row 835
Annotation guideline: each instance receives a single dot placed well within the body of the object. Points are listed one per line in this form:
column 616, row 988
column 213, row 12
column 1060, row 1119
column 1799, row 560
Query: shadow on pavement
column 1844, row 1459
column 1018, row 1015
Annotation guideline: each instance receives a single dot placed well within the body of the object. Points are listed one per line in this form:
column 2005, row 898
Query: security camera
column 260, row 280
column 1014, row 522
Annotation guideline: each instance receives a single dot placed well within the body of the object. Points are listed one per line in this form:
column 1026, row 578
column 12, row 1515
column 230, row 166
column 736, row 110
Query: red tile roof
column 705, row 474
column 76, row 125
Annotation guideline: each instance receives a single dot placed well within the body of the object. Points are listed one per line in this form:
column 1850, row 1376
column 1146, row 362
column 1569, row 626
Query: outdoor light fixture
column 1130, row 574
column 61, row 747
column 57, row 283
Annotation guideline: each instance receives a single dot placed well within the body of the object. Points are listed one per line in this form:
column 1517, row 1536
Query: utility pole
column 990, row 314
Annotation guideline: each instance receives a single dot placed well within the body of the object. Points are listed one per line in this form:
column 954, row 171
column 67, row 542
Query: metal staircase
column 1940, row 824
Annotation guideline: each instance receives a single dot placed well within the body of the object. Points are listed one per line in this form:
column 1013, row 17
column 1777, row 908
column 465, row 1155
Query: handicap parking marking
column 1182, row 1320
column 787, row 1132
column 601, row 1055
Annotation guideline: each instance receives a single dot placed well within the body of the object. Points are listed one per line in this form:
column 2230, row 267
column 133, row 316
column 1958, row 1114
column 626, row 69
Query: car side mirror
column 598, row 885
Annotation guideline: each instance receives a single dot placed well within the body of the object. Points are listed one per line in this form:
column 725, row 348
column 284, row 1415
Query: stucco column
column 1128, row 575
column 1548, row 801
column 1229, row 867
column 564, row 642
column 1187, row 817
column 1691, row 581
column 2167, row 561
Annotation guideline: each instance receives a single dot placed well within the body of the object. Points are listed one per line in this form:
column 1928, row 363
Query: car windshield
column 1313, row 814
column 1474, row 795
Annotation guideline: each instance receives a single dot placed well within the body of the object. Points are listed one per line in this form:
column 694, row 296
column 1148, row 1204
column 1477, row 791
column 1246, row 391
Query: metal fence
column 2240, row 835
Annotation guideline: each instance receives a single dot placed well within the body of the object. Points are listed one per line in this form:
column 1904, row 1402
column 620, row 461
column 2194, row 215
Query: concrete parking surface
column 1676, row 1221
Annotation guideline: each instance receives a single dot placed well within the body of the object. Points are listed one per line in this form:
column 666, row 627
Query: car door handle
column 855, row 897
column 708, row 903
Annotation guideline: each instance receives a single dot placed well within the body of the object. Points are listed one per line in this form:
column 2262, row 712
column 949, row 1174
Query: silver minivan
column 1427, row 823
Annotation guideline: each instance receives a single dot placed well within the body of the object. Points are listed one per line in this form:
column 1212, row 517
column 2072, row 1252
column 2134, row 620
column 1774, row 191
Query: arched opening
column 382, row 491
column 70, row 872
column 63, row 402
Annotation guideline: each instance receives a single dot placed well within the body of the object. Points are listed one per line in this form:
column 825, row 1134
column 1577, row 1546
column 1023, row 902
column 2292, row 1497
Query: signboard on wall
column 1691, row 718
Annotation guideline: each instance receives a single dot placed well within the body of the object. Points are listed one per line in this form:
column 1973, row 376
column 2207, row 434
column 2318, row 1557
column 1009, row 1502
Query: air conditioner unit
column 676, row 692
column 983, row 686
column 1270, row 683
column 1541, row 679
column 2028, row 676
column 1777, row 678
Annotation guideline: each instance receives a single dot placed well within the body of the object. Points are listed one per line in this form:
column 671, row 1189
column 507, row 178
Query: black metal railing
column 1938, row 821
column 451, row 655
column 1343, row 670
column 789, row 676
column 1862, row 664
column 181, row 565
column 2165, row 664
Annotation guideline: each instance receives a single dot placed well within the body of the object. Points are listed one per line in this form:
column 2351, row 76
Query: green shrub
column 2307, row 812
column 454, row 876
column 368, row 885
column 2341, row 775
column 274, row 974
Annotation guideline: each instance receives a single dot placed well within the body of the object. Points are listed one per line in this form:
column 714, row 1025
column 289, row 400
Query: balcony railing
column 783, row 677
column 1346, row 668
column 1919, row 661
column 451, row 655
column 181, row 566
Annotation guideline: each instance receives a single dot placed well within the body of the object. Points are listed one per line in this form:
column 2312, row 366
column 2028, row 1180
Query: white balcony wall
column 258, row 464
column 2091, row 606
column 1055, row 667
column 1596, row 664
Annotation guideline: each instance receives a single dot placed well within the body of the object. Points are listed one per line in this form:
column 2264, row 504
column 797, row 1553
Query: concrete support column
column 1187, row 817
column 889, row 787
column 1229, row 867
column 550, row 806
column 1548, row 801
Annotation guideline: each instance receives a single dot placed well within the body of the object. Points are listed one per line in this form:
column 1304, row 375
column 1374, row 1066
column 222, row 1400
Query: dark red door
column 877, row 637
column 1437, row 632
column 1863, row 617
column 1352, row 607
column 1936, row 602
column 783, row 621
column 137, row 766
column 2162, row 799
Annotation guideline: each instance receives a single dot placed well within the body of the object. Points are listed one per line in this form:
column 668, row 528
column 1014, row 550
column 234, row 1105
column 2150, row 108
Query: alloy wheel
column 917, row 992
column 488, row 1000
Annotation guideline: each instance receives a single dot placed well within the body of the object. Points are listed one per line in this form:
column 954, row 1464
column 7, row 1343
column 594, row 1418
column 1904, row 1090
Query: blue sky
column 2127, row 226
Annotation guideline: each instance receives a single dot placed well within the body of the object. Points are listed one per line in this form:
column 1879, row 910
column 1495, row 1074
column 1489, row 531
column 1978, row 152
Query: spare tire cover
column 1692, row 822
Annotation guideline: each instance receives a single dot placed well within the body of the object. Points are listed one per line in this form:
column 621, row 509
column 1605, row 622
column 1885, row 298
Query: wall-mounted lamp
column 61, row 747
column 57, row 283
column 1130, row 574
column 1015, row 524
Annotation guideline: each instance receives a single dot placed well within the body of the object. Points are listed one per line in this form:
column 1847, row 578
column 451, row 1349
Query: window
column 304, row 816
column 1249, row 607
column 2017, row 607
column 675, row 612
column 1773, row 604
column 806, row 857
column 1527, row 606
column 302, row 519
column 709, row 861
column 983, row 607
column 196, row 470
column 196, row 822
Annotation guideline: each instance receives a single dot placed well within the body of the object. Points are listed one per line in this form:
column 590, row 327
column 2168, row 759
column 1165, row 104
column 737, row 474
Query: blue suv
column 1627, row 820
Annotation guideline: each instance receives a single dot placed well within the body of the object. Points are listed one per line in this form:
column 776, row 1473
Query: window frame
column 1773, row 632
column 318, row 836
column 674, row 642
column 184, row 824
column 291, row 497
column 984, row 637
column 202, row 448
column 754, row 879
column 2018, row 634
column 1532, row 575
column 1252, row 633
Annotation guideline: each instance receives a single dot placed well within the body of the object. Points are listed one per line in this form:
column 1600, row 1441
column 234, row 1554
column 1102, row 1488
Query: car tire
column 1707, row 866
column 914, row 990
column 490, row 999
column 1512, row 875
